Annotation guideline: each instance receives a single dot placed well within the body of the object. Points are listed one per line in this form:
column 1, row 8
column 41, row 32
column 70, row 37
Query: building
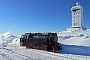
column 77, row 18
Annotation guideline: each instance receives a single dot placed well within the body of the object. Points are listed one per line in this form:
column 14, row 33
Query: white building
column 77, row 18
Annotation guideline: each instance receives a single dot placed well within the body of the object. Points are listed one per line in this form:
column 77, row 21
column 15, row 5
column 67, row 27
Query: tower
column 77, row 18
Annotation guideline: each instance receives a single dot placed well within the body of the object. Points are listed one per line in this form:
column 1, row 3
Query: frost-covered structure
column 77, row 18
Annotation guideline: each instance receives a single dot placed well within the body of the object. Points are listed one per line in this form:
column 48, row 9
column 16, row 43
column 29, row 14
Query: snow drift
column 8, row 38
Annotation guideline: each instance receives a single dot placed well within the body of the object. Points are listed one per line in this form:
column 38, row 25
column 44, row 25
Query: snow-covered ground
column 75, row 46
column 81, row 38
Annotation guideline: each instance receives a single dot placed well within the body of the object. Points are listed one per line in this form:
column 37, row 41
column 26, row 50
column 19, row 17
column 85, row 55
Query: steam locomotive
column 41, row 41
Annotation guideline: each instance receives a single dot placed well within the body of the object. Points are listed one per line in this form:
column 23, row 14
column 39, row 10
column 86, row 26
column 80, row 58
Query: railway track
column 57, row 56
column 12, row 55
column 4, row 56
column 29, row 54
column 53, row 55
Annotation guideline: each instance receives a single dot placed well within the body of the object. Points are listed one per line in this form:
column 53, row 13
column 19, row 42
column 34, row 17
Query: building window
column 74, row 13
column 74, row 17
column 74, row 23
column 74, row 20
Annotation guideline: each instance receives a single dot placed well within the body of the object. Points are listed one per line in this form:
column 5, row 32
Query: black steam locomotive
column 41, row 41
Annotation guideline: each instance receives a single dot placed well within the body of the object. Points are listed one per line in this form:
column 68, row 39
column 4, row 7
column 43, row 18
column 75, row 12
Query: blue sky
column 20, row 16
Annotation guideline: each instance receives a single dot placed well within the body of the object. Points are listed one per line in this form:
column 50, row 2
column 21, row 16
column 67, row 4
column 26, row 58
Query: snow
column 81, row 38
column 9, row 38
column 75, row 46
